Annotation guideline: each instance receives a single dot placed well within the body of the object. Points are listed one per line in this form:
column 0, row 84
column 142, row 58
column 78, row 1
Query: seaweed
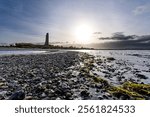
column 122, row 93
column 143, row 89
column 131, row 90
column 102, row 81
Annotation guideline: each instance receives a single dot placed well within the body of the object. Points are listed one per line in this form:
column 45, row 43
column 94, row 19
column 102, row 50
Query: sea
column 18, row 52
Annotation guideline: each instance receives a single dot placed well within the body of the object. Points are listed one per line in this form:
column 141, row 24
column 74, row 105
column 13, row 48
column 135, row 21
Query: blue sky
column 29, row 20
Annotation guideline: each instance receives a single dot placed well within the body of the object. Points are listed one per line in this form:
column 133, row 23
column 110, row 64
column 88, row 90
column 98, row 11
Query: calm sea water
column 16, row 52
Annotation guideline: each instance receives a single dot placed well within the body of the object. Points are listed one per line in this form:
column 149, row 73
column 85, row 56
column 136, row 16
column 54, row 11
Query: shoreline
column 16, row 48
column 68, row 75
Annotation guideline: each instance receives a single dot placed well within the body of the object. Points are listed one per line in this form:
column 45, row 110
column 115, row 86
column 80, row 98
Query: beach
column 72, row 75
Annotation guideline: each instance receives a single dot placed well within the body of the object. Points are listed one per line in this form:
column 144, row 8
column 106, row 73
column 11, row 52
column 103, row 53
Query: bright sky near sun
column 71, row 20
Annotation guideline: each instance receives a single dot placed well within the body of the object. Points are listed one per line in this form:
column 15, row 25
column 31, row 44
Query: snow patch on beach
column 129, row 65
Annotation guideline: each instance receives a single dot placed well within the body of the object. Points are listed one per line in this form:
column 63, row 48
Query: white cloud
column 142, row 9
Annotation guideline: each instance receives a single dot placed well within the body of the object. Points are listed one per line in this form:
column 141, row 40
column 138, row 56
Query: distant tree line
column 30, row 45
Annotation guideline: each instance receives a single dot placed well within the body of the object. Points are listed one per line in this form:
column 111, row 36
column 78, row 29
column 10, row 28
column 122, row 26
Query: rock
column 4, row 87
column 64, row 86
column 111, row 70
column 31, row 74
column 108, row 94
column 103, row 91
column 141, row 76
column 58, row 98
column 75, row 73
column 100, row 98
column 110, row 59
column 3, row 93
column 68, row 95
column 43, row 95
column 28, row 98
column 98, row 86
column 119, row 78
column 2, row 84
column 2, row 79
column 85, row 93
column 105, row 97
column 53, row 98
column 39, row 89
column 93, row 85
column 17, row 96
column 59, row 92
column 36, row 80
column 125, row 97
column 97, row 90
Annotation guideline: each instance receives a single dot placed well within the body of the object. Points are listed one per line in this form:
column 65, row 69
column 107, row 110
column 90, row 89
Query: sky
column 30, row 20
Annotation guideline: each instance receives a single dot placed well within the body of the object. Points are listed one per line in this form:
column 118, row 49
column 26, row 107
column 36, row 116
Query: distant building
column 47, row 40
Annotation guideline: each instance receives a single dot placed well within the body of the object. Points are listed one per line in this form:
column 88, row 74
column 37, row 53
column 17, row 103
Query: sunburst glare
column 83, row 33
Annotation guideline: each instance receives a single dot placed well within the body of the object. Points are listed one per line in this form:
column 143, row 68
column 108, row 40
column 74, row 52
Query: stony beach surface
column 65, row 75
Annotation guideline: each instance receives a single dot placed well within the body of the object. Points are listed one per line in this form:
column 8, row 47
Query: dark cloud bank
column 121, row 41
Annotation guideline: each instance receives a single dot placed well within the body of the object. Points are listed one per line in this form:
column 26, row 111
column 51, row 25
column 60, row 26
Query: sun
column 83, row 33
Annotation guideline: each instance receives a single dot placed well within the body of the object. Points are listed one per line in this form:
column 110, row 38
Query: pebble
column 28, row 98
column 54, row 76
column 19, row 95
column 85, row 93
column 141, row 76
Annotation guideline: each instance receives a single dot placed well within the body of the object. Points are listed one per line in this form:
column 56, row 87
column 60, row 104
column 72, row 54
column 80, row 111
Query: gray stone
column 19, row 95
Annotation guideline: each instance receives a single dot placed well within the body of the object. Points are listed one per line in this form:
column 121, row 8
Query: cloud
column 142, row 9
column 119, row 36
column 142, row 42
column 121, row 41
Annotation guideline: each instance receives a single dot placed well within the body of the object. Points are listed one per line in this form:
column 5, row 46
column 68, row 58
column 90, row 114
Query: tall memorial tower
column 47, row 40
